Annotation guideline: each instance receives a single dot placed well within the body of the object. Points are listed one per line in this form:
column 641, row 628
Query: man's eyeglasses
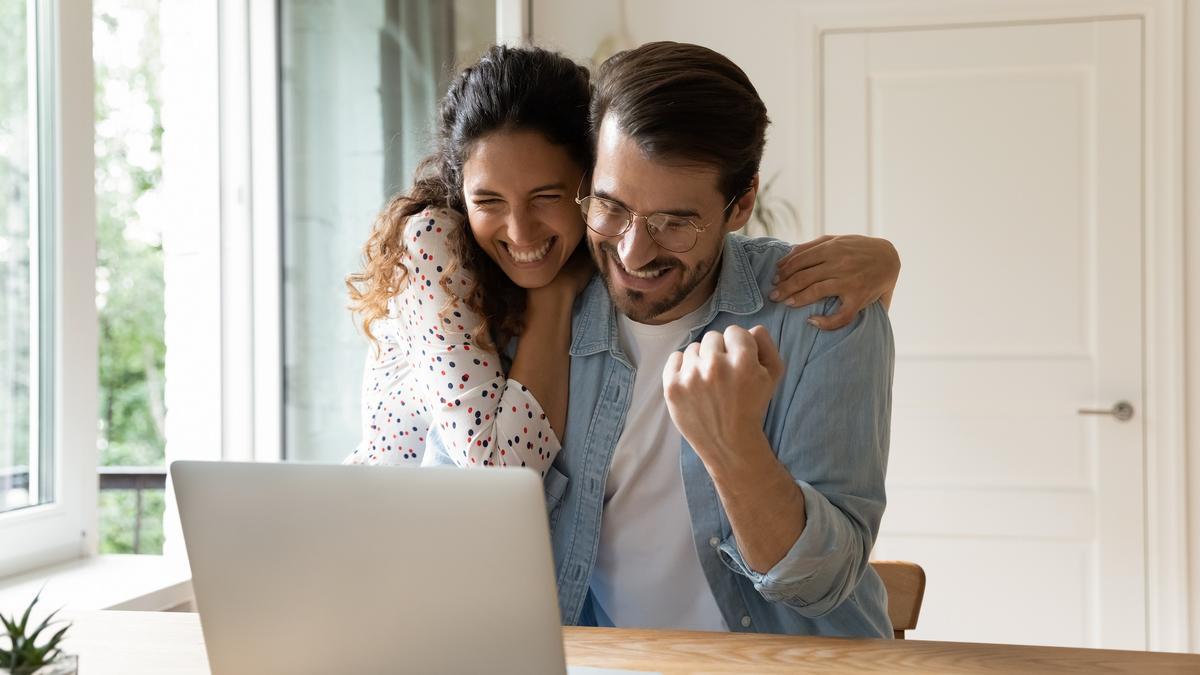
column 609, row 219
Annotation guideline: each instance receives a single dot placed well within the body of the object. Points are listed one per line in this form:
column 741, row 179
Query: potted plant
column 773, row 216
column 24, row 656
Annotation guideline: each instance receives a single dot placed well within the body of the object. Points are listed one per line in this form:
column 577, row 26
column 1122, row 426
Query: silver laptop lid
column 304, row 568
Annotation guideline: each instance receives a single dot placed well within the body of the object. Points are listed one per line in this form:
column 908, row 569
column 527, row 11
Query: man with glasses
column 723, row 462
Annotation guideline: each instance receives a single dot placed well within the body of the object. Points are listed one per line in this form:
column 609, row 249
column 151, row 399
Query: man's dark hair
column 684, row 103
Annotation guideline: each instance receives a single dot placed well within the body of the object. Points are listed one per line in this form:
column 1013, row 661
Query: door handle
column 1122, row 410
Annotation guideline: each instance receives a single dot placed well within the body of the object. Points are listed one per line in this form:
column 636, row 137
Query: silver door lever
column 1122, row 410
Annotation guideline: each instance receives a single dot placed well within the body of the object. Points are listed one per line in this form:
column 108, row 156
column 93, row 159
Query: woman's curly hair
column 509, row 88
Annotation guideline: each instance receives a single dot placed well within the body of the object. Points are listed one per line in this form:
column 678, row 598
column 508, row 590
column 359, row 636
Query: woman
column 442, row 295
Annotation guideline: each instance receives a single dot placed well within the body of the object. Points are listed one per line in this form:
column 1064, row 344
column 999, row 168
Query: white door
column 1005, row 162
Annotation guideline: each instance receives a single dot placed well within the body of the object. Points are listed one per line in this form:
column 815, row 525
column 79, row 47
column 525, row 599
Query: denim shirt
column 828, row 424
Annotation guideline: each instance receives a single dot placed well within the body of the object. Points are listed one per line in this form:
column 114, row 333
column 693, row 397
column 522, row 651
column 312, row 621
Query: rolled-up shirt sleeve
column 834, row 442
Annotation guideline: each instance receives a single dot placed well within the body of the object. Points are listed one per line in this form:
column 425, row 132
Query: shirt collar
column 737, row 292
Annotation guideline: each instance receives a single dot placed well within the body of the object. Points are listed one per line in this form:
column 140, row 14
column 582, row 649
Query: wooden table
column 170, row 643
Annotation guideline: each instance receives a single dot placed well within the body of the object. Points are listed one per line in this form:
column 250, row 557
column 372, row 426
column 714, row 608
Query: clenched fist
column 718, row 389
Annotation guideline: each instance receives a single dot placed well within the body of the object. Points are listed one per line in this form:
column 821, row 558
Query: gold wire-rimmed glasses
column 610, row 219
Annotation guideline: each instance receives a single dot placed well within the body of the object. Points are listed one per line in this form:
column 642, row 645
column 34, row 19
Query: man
column 723, row 465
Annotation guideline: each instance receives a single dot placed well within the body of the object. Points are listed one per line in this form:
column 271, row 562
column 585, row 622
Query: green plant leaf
column 25, row 617
column 55, row 639
column 24, row 654
column 9, row 626
column 45, row 624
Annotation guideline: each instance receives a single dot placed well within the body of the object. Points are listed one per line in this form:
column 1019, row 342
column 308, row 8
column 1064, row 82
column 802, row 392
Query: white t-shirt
column 647, row 572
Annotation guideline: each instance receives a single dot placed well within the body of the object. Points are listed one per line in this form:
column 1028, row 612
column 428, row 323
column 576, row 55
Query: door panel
column 1004, row 163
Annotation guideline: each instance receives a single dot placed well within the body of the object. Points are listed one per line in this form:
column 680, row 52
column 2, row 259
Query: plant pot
column 67, row 664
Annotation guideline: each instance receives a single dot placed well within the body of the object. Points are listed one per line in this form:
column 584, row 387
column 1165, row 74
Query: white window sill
column 135, row 582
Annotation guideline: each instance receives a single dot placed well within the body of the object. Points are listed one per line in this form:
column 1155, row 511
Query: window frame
column 224, row 373
column 63, row 282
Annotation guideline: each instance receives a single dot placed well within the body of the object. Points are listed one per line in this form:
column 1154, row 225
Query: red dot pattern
column 428, row 371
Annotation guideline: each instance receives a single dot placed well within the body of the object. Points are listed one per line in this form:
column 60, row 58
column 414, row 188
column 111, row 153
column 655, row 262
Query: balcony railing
column 136, row 478
column 14, row 478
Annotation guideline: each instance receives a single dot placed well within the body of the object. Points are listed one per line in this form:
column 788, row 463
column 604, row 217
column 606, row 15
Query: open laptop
column 305, row 568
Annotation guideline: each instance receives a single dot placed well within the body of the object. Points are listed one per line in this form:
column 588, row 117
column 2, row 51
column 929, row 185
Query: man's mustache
column 653, row 266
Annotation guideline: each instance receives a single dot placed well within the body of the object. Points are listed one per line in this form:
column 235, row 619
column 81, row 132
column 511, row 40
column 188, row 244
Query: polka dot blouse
column 428, row 372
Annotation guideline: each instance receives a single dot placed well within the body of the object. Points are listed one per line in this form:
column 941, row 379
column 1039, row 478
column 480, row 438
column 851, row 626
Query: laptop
column 307, row 568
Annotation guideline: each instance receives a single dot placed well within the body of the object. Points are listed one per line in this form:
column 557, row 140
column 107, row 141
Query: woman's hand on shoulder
column 859, row 270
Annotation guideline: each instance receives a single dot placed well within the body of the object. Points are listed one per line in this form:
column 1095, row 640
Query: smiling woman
column 524, row 220
column 442, row 297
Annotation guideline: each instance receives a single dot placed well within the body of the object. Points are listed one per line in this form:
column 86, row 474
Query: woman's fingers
column 804, row 255
column 794, row 284
column 851, row 305
column 813, row 293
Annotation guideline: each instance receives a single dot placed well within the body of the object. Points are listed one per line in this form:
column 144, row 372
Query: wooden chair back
column 905, row 584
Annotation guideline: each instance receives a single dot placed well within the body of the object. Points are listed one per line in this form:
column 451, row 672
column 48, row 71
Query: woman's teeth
column 529, row 255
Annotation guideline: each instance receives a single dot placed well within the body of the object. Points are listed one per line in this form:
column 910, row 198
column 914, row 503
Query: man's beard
column 634, row 304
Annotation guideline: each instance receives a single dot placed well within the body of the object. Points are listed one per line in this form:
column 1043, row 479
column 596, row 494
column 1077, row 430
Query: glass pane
column 129, row 271
column 360, row 87
column 18, row 458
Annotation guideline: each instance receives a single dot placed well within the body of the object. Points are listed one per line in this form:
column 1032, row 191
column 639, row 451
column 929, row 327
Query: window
column 359, row 93
column 129, row 274
column 47, row 286
column 23, row 466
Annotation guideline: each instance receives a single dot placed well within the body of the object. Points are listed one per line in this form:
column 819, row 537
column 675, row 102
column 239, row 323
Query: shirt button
column 714, row 542
column 745, row 622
